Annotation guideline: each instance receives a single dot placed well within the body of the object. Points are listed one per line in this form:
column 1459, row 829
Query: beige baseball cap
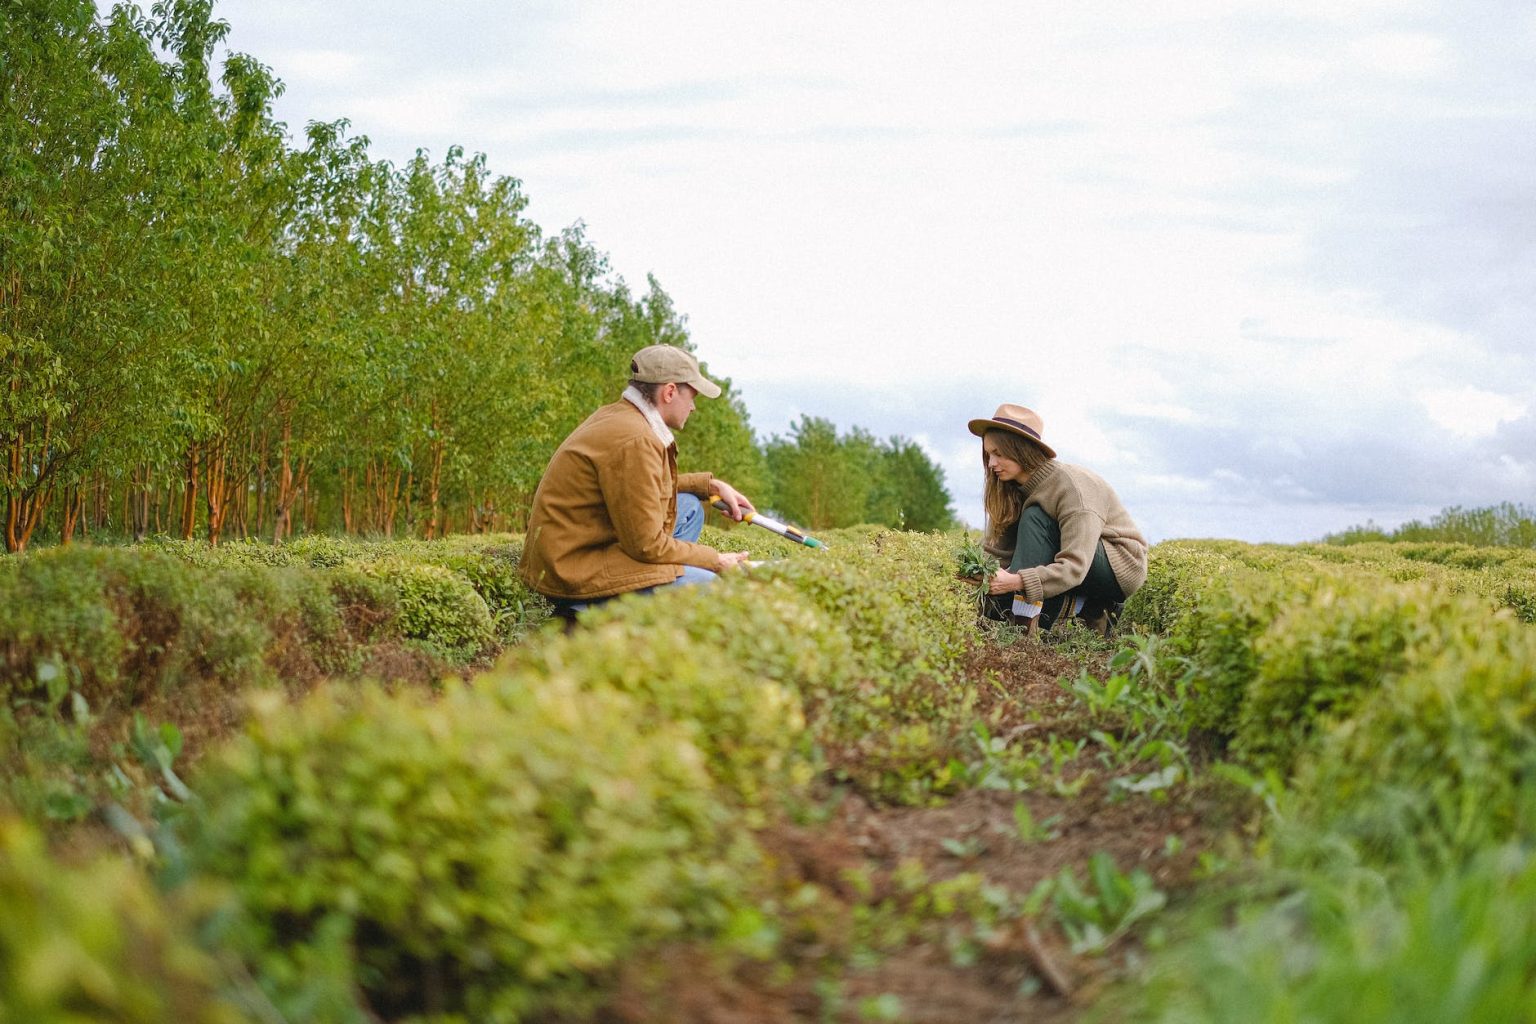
column 668, row 364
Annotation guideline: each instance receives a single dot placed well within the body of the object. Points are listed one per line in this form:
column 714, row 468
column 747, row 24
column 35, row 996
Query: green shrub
column 1323, row 655
column 122, row 621
column 53, row 612
column 489, row 564
column 1459, row 947
column 437, row 607
column 94, row 944
column 478, row 857
column 893, row 719
column 724, row 663
column 320, row 552
column 1216, row 635
column 1177, row 574
column 1436, row 764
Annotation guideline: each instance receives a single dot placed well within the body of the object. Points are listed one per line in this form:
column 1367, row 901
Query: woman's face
column 998, row 464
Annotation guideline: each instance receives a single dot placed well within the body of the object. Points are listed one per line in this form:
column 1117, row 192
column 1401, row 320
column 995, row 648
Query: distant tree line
column 207, row 331
column 1503, row 525
column 824, row 480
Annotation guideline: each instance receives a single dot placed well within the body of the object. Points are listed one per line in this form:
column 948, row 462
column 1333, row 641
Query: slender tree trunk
column 164, row 496
column 23, row 512
column 140, row 500
column 371, row 496
column 216, row 487
column 189, row 492
column 384, row 496
column 410, row 488
column 306, row 497
column 73, row 512
column 25, row 506
column 101, row 506
column 435, row 526
column 261, row 453
column 240, row 507
column 347, row 479
column 261, row 483
column 282, row 502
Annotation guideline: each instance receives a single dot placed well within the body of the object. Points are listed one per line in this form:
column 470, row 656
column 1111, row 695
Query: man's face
column 674, row 402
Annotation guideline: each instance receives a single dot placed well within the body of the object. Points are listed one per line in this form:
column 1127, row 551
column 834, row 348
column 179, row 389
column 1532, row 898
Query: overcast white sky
column 1269, row 266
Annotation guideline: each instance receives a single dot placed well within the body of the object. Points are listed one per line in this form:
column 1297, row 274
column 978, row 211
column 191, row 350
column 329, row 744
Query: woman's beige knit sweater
column 1088, row 510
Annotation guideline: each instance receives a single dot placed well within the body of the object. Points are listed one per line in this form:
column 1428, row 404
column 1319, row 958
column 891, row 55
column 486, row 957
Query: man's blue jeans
column 690, row 524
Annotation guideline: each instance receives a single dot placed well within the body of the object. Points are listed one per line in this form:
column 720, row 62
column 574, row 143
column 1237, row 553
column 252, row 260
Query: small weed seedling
column 1097, row 913
column 1030, row 831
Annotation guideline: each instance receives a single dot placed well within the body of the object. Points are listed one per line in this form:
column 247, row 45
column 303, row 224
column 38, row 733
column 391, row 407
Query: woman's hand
column 1005, row 582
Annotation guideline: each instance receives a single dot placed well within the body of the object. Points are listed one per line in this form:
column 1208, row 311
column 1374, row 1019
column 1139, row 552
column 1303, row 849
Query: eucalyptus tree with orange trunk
column 206, row 331
column 93, row 167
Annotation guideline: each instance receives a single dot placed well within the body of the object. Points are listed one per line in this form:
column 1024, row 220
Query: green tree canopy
column 826, row 480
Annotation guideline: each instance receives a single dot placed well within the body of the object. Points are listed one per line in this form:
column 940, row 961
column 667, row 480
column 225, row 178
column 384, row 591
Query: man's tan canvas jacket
column 605, row 509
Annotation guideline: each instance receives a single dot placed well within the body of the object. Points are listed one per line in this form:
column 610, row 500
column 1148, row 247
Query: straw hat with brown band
column 1016, row 420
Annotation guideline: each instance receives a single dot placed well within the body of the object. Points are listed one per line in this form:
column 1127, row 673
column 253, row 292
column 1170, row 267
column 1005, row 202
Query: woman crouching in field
column 1069, row 544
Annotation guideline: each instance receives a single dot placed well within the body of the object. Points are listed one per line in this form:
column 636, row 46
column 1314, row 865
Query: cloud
column 322, row 67
column 1470, row 412
column 1412, row 55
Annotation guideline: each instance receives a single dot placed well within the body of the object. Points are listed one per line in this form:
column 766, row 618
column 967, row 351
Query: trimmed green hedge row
column 471, row 858
column 118, row 622
column 459, row 594
column 512, row 840
column 1393, row 687
column 1399, row 688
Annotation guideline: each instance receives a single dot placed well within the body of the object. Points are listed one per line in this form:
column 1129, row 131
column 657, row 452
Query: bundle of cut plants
column 974, row 565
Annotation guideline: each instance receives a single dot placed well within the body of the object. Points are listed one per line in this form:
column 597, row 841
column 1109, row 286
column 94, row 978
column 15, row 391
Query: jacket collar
column 660, row 429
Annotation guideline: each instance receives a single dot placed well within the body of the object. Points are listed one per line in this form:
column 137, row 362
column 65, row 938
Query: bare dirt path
column 1024, row 970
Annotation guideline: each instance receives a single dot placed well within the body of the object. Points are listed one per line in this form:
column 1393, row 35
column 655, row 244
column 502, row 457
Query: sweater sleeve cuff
column 1033, row 590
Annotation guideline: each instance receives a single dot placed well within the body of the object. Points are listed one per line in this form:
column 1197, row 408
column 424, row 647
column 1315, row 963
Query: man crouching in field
column 608, row 517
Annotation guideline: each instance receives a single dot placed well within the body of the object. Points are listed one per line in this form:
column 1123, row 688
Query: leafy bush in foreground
column 690, row 660
column 478, row 857
column 1440, row 761
column 1460, row 947
column 95, row 944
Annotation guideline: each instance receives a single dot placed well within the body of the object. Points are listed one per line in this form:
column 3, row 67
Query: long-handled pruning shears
column 771, row 525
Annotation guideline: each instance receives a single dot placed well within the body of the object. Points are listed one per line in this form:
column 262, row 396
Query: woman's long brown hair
column 1004, row 499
